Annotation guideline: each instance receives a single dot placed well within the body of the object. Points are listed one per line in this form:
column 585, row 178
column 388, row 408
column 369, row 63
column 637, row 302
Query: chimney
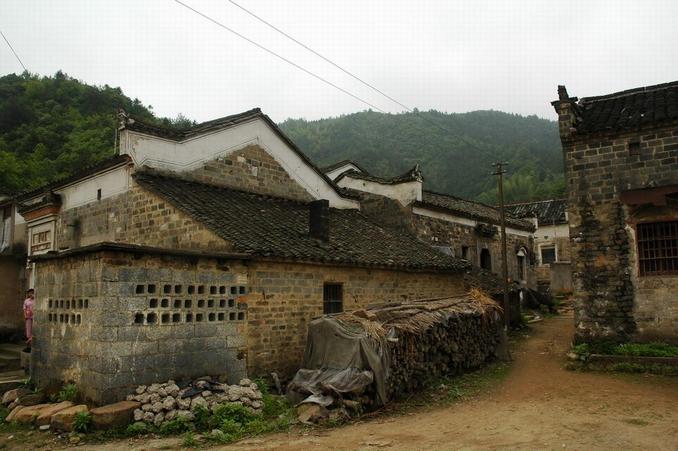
column 319, row 219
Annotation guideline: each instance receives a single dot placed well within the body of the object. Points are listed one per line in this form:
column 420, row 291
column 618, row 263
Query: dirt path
column 539, row 406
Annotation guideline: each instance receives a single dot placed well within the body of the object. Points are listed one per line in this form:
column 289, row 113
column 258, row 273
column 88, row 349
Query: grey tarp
column 341, row 358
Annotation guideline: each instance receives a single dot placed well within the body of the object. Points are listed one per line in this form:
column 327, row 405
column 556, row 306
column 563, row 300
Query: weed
column 68, row 392
column 176, row 426
column 189, row 440
column 82, row 422
column 137, row 428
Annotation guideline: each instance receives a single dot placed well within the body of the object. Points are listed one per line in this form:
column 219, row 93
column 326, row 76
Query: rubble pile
column 167, row 401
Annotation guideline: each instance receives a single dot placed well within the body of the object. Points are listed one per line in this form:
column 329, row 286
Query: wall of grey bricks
column 612, row 302
column 109, row 321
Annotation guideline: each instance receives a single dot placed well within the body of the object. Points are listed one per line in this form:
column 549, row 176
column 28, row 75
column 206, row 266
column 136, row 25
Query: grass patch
column 664, row 370
column 68, row 392
column 628, row 349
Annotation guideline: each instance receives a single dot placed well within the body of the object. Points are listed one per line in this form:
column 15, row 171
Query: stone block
column 11, row 395
column 45, row 416
column 31, row 399
column 114, row 415
column 29, row 414
column 9, row 418
column 63, row 420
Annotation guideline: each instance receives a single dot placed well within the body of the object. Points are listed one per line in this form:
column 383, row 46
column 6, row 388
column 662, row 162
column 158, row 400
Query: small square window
column 333, row 298
column 548, row 254
column 153, row 303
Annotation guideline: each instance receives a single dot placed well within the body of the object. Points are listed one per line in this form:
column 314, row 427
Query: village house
column 621, row 165
column 205, row 251
column 551, row 242
column 12, row 270
column 457, row 227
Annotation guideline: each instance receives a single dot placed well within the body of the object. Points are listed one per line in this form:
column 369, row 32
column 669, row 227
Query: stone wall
column 110, row 321
column 251, row 169
column 136, row 216
column 285, row 297
column 438, row 232
column 612, row 302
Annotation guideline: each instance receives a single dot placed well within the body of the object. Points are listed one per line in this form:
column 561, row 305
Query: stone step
column 10, row 380
column 9, row 361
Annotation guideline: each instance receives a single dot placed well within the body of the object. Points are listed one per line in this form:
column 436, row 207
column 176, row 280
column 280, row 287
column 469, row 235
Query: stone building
column 13, row 282
column 551, row 242
column 454, row 226
column 621, row 165
column 205, row 251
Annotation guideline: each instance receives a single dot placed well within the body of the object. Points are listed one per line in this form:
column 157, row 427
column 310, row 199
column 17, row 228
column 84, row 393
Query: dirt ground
column 539, row 405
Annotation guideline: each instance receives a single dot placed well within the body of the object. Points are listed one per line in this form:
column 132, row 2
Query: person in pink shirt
column 28, row 316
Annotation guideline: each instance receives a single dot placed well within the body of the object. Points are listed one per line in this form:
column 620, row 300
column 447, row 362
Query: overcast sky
column 453, row 56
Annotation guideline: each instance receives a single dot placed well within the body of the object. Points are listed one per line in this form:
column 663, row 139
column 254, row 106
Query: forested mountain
column 52, row 126
column 455, row 151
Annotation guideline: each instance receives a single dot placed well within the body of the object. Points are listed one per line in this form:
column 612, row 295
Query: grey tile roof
column 469, row 209
column 629, row 109
column 273, row 227
column 546, row 211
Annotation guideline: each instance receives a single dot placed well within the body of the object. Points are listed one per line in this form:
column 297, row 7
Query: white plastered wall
column 190, row 154
column 405, row 193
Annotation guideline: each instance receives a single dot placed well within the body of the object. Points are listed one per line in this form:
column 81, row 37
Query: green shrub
column 581, row 349
column 82, row 422
column 68, row 392
column 231, row 427
column 176, row 426
column 647, row 349
column 202, row 418
column 4, row 411
column 231, row 411
column 138, row 428
column 189, row 440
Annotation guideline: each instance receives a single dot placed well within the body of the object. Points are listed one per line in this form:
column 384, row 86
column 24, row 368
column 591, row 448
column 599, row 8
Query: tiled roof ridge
column 156, row 173
column 629, row 92
column 411, row 175
column 341, row 163
column 556, row 199
column 460, row 198
column 102, row 165
column 134, row 123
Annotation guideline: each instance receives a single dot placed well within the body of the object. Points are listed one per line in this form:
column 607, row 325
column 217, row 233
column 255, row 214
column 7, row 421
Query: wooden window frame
column 333, row 298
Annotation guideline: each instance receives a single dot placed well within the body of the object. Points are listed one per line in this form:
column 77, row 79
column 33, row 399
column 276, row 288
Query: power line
column 346, row 71
column 264, row 21
column 12, row 49
column 292, row 63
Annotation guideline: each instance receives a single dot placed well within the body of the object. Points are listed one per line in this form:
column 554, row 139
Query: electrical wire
column 12, row 49
column 292, row 63
column 346, row 71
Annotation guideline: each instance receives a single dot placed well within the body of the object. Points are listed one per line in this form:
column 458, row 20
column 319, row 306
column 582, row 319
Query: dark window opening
column 222, row 303
column 221, row 316
column 213, row 290
column 153, row 303
column 176, row 317
column 164, row 303
column 177, row 303
column 241, row 316
column 139, row 318
column 151, row 318
column 464, row 252
column 167, row 289
column 201, row 303
column 189, row 317
column 198, row 317
column 99, row 194
column 191, row 289
column 333, row 298
column 151, row 288
column 222, row 290
column 658, row 248
column 548, row 255
column 486, row 259
column 140, row 289
column 210, row 303
column 188, row 303
column 165, row 317
column 212, row 316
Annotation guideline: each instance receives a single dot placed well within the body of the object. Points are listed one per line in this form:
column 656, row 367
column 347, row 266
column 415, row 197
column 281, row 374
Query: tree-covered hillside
column 455, row 151
column 53, row 126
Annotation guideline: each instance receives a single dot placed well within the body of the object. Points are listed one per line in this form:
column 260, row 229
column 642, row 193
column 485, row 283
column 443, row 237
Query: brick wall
column 251, row 169
column 285, row 297
column 612, row 302
column 109, row 321
column 138, row 217
column 438, row 232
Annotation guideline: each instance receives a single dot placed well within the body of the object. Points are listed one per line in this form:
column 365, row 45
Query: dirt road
column 539, row 406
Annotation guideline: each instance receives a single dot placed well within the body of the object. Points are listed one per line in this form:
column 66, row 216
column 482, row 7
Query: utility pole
column 500, row 171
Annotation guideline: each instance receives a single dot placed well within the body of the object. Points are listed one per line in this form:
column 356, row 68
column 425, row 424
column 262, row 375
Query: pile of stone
column 164, row 402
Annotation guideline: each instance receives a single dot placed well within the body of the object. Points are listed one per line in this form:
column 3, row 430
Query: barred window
column 658, row 248
column 333, row 298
